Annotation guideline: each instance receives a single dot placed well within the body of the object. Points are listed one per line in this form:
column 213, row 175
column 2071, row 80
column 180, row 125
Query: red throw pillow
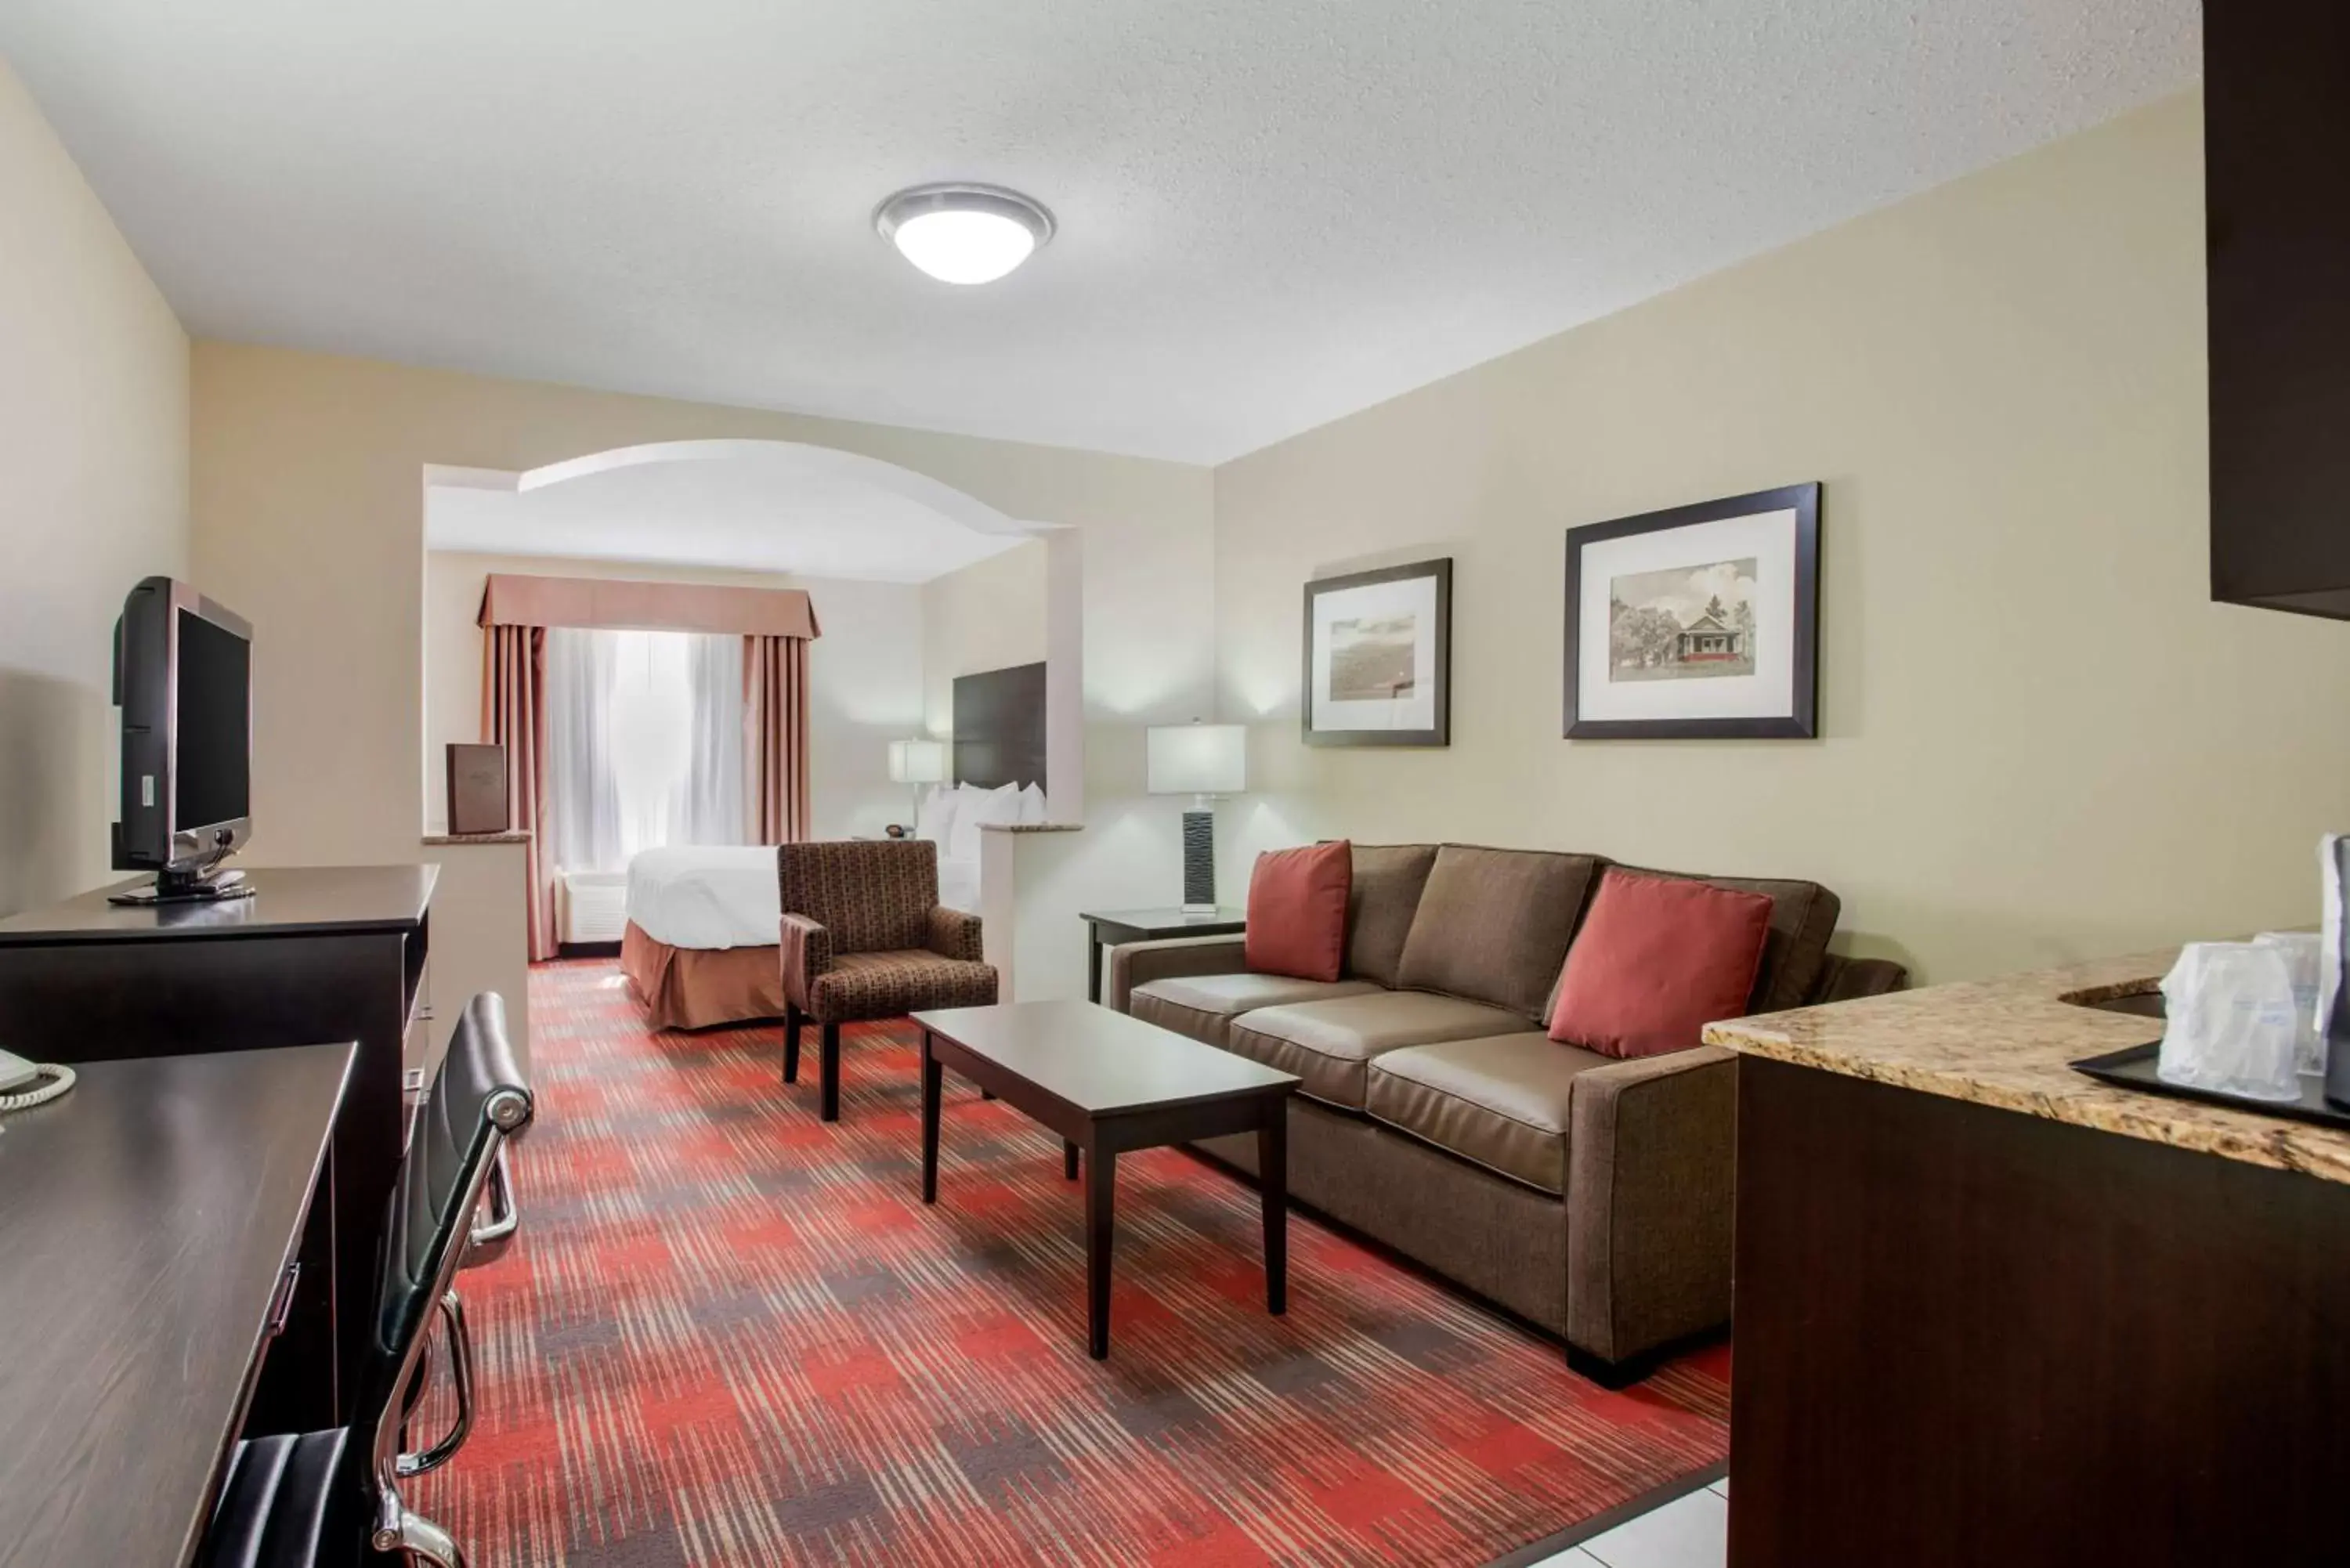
column 1656, row 961
column 1297, row 910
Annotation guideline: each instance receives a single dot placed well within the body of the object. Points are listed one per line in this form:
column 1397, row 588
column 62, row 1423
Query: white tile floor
column 1690, row 1531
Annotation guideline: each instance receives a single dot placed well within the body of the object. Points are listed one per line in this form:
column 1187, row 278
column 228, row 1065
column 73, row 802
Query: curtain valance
column 595, row 603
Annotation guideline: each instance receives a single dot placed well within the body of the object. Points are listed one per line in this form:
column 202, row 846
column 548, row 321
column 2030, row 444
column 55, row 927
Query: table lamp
column 1202, row 760
column 917, row 761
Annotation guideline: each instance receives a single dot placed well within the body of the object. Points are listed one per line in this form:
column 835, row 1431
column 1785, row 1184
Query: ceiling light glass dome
column 963, row 233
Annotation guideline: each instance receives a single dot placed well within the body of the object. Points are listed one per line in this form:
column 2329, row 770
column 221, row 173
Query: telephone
column 20, row 1082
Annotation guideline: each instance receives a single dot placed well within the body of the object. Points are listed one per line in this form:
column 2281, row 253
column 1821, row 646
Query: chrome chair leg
column 415, row 1537
column 413, row 1395
column 494, row 1227
column 461, row 1374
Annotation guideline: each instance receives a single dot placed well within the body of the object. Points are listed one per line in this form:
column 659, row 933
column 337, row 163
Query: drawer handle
column 281, row 1305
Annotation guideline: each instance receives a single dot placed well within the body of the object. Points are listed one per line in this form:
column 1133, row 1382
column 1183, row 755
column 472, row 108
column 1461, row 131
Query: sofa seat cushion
column 1328, row 1043
column 889, row 984
column 1499, row 1101
column 1203, row 1006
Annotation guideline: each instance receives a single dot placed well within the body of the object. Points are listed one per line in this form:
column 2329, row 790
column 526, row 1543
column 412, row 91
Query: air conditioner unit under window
column 591, row 906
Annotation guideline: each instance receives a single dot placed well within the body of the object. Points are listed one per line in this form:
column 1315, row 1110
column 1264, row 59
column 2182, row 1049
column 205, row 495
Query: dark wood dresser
column 317, row 955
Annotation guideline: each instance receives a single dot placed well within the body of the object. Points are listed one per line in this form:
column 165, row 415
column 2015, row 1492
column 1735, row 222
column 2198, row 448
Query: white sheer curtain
column 644, row 743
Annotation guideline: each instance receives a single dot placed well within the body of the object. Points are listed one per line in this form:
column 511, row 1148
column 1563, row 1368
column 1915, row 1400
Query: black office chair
column 300, row 1501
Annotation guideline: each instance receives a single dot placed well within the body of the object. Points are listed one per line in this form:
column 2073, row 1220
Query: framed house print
column 1699, row 622
column 1378, row 657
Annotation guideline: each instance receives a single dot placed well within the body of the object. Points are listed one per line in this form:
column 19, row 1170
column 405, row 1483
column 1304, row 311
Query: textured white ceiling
column 1271, row 213
column 769, row 506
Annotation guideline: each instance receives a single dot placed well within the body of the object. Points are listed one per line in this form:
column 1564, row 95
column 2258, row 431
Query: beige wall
column 988, row 615
column 480, row 943
column 2041, row 739
column 865, row 674
column 93, row 497
column 308, row 507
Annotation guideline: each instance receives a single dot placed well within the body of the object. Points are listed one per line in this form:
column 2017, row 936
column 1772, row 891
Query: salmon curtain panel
column 775, row 738
column 514, row 715
column 776, row 625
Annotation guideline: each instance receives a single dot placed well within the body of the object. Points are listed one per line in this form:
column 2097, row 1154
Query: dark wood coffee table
column 1107, row 1083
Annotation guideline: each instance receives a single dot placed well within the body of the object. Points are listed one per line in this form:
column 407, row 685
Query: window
column 644, row 743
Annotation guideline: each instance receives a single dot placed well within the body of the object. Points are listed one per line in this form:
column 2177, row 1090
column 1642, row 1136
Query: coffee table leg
column 931, row 1076
column 1101, row 1185
column 1093, row 963
column 1272, row 1184
column 1068, row 1159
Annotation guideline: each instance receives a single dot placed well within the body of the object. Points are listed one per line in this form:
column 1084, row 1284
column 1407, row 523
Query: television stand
column 186, row 888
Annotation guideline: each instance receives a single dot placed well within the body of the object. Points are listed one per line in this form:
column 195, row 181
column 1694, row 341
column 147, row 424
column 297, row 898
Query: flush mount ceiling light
column 963, row 233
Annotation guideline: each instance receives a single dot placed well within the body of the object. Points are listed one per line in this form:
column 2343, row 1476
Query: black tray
column 2134, row 1069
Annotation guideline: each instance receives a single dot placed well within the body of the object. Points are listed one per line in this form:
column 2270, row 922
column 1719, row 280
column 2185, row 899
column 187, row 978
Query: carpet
column 729, row 1334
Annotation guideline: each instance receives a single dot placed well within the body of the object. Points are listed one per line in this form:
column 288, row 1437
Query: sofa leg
column 1611, row 1374
column 828, row 1105
column 791, row 1044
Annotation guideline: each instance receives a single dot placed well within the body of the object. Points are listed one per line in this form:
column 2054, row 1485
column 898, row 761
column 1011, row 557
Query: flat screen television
column 184, row 679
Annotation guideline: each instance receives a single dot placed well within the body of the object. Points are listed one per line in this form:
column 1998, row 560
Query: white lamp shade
column 1198, row 759
column 917, row 761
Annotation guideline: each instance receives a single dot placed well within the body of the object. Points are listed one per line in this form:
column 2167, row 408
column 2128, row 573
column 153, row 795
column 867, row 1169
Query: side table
column 1115, row 927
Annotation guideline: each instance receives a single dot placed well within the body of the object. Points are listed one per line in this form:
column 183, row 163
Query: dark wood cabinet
column 2276, row 132
column 319, row 955
column 1970, row 1338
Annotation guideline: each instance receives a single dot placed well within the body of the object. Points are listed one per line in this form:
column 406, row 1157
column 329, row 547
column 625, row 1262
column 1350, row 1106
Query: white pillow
column 1032, row 805
column 982, row 806
column 935, row 819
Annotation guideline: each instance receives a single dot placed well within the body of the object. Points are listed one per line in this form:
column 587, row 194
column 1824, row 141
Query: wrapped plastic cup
column 2303, row 953
column 2231, row 1026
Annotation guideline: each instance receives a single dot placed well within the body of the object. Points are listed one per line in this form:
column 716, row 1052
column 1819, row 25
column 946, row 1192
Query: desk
column 323, row 952
column 1117, row 926
column 146, row 1220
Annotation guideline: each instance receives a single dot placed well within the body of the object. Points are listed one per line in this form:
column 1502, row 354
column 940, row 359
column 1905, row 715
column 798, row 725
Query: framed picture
column 1378, row 657
column 1700, row 622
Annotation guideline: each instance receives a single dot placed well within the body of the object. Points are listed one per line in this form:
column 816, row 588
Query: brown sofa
column 1587, row 1194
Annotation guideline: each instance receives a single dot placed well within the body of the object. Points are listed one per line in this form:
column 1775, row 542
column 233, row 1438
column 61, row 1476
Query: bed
column 700, row 945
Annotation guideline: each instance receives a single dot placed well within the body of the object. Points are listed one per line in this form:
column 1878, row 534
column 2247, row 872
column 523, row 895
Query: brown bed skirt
column 701, row 988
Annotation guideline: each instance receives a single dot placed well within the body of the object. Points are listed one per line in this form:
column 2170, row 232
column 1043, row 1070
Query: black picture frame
column 1800, row 724
column 1440, row 733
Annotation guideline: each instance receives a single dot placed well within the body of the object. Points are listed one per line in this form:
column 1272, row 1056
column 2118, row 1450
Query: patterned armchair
column 863, row 936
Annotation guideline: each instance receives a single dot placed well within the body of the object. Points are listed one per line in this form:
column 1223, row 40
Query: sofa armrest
column 1140, row 963
column 954, row 933
column 1650, row 1185
column 806, row 954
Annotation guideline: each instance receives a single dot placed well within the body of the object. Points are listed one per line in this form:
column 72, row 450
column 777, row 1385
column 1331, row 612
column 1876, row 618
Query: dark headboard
column 999, row 727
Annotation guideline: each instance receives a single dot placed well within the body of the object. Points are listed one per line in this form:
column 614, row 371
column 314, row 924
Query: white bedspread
column 724, row 896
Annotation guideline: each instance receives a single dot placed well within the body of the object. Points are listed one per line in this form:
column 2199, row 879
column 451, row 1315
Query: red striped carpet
column 731, row 1335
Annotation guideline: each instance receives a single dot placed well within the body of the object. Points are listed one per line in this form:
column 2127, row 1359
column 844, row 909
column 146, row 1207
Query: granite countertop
column 2008, row 1041
column 511, row 835
column 1031, row 827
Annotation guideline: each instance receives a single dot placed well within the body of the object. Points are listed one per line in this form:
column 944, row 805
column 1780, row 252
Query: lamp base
column 1199, row 862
